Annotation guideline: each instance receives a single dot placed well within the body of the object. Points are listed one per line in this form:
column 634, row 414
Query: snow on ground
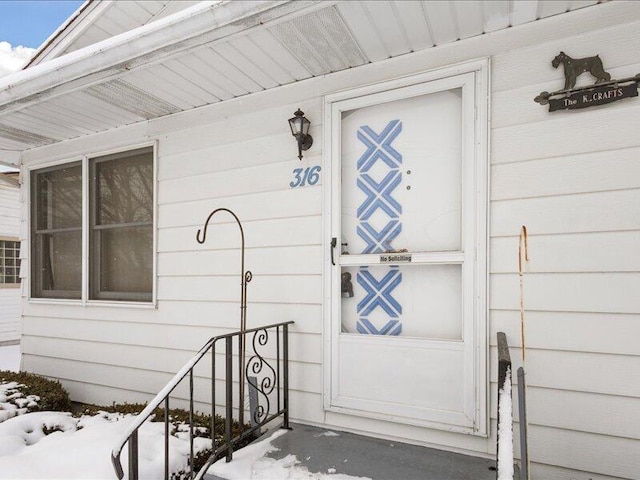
column 10, row 358
column 251, row 463
column 505, row 431
column 80, row 448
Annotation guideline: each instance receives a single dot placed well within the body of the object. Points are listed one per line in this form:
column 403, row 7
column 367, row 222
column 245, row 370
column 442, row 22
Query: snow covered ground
column 10, row 358
column 80, row 448
column 56, row 445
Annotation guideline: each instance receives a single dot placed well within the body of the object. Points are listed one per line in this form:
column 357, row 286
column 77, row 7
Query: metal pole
column 278, row 366
column 241, row 378
column 229, row 395
column 213, row 397
column 133, row 456
column 166, row 438
column 522, row 410
column 245, row 278
column 285, row 374
column 191, row 424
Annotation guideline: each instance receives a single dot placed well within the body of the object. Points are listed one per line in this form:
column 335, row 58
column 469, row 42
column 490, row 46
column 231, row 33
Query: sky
column 25, row 25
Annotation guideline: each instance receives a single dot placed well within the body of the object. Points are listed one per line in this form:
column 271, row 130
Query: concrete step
column 330, row 451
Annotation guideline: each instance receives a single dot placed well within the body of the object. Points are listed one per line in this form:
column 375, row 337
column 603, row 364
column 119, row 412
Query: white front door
column 407, row 274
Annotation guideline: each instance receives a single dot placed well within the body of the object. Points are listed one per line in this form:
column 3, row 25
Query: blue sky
column 29, row 23
column 24, row 25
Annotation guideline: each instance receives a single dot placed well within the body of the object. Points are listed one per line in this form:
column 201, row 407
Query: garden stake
column 523, row 242
column 245, row 278
column 523, row 248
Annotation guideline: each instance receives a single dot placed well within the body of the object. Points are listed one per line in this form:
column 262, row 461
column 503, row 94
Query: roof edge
column 76, row 19
column 189, row 28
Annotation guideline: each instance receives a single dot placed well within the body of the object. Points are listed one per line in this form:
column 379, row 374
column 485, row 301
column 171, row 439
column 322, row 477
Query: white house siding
column 572, row 177
column 9, row 297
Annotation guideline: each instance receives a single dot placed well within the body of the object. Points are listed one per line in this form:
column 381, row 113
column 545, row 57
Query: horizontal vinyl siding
column 9, row 297
column 572, row 177
column 135, row 352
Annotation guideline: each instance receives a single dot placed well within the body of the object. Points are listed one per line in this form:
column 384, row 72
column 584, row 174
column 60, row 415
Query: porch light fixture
column 300, row 129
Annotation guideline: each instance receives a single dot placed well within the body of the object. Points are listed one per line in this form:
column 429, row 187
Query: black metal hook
column 206, row 225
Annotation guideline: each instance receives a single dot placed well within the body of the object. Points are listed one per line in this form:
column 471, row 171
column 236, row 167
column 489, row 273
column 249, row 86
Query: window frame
column 34, row 231
column 85, row 297
column 19, row 260
column 95, row 243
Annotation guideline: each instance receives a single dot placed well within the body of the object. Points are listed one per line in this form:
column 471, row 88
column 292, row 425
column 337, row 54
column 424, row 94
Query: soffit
column 310, row 42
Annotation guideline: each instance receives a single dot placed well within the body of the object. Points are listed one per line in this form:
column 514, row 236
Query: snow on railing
column 504, row 465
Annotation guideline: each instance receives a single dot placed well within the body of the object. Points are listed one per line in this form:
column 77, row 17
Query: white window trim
column 481, row 196
column 84, row 297
column 12, row 285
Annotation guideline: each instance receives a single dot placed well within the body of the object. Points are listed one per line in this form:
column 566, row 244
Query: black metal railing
column 267, row 380
column 504, row 367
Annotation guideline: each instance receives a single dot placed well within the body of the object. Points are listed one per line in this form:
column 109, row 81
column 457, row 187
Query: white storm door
column 407, row 340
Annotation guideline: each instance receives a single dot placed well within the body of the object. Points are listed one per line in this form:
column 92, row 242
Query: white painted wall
column 9, row 228
column 572, row 177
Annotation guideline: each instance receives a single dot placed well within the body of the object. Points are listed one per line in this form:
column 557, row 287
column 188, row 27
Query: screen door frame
column 477, row 130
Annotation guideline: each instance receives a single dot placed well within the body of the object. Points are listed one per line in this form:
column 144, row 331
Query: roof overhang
column 216, row 51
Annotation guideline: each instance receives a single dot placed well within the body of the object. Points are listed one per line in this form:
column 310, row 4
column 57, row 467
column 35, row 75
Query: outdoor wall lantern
column 300, row 129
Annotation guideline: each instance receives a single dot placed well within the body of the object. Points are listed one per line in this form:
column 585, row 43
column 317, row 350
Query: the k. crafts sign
column 594, row 96
column 605, row 90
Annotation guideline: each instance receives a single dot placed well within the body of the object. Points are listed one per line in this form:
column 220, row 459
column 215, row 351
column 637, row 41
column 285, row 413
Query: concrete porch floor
column 335, row 452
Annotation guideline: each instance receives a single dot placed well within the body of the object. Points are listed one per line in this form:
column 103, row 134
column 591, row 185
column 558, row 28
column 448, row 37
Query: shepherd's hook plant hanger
column 245, row 278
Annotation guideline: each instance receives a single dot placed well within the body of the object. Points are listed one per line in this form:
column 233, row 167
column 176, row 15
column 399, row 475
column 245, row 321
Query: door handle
column 334, row 242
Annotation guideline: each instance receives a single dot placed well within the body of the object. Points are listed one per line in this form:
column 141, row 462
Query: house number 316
column 306, row 176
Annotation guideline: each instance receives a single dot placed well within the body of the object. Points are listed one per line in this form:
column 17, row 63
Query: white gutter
column 189, row 28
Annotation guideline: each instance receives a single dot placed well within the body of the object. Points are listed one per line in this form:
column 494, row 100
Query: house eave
column 150, row 43
column 217, row 51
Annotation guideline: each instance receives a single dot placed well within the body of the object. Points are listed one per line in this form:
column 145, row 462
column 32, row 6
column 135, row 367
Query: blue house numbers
column 305, row 176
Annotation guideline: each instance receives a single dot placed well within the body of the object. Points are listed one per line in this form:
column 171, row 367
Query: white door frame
column 389, row 91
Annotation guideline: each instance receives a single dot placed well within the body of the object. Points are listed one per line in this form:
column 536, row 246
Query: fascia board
column 69, row 31
column 189, row 28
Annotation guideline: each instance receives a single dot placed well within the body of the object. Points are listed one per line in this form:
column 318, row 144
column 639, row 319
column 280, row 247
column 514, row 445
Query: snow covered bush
column 23, row 392
column 58, row 445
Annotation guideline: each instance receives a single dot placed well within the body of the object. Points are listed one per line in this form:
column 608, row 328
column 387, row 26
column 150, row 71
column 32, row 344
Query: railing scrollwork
column 258, row 365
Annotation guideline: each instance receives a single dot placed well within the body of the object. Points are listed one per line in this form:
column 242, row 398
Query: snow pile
column 505, row 431
column 55, row 445
column 13, row 402
column 251, row 463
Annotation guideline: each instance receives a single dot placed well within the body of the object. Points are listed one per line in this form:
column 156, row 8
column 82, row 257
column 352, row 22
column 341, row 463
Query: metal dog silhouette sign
column 604, row 90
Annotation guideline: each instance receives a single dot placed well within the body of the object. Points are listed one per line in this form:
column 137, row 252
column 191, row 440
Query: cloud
column 13, row 58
